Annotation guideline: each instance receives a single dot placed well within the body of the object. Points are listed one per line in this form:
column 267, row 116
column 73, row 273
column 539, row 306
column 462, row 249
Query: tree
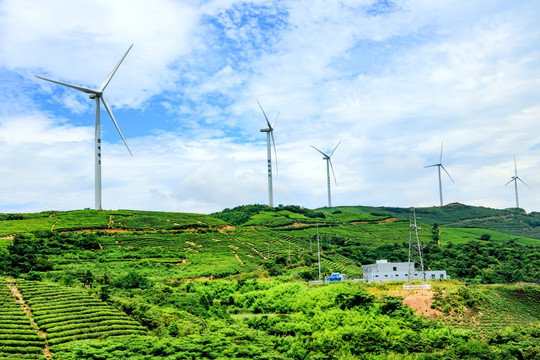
column 435, row 232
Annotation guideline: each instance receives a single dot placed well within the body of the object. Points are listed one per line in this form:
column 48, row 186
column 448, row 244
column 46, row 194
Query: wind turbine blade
column 266, row 117
column 431, row 165
column 319, row 151
column 108, row 78
column 332, row 167
column 274, row 124
column 275, row 152
column 440, row 158
column 509, row 182
column 335, row 149
column 515, row 165
column 523, row 183
column 80, row 88
column 447, row 173
column 115, row 124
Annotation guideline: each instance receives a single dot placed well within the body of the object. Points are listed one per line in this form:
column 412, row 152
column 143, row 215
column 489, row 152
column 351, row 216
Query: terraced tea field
column 68, row 314
column 59, row 314
column 510, row 306
column 18, row 339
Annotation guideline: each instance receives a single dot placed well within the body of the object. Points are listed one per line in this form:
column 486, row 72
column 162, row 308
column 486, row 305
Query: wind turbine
column 439, row 166
column 270, row 133
column 328, row 166
column 515, row 178
column 98, row 96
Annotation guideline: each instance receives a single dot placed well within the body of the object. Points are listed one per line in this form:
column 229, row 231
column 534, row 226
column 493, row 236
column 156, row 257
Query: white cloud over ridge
column 390, row 79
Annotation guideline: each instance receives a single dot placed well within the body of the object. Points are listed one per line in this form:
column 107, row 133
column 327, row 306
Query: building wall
column 387, row 271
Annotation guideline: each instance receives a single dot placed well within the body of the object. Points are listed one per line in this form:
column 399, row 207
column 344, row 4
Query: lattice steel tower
column 415, row 250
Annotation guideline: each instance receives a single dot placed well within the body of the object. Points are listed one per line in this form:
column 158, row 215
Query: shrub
column 348, row 300
column 132, row 280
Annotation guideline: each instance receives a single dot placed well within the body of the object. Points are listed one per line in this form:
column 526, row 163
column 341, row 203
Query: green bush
column 132, row 280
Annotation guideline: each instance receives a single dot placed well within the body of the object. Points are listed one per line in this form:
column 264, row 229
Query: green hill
column 509, row 221
column 126, row 284
column 255, row 238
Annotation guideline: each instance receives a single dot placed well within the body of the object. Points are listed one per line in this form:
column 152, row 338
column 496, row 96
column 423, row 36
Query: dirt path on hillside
column 53, row 225
column 19, row 298
column 420, row 301
column 382, row 221
column 238, row 258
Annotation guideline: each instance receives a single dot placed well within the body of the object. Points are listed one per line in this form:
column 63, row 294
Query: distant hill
column 509, row 221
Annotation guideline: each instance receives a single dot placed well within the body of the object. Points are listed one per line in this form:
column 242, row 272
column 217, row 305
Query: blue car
column 335, row 277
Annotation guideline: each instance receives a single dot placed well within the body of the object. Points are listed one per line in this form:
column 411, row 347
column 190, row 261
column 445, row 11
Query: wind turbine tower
column 439, row 166
column 328, row 167
column 270, row 134
column 515, row 178
column 98, row 96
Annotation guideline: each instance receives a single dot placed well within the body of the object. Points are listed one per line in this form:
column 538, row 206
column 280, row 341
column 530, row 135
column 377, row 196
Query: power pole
column 319, row 250
column 415, row 253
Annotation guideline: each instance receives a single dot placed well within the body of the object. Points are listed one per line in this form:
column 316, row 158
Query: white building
column 383, row 270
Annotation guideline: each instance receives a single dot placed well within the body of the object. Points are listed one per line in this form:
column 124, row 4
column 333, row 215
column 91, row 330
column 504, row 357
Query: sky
column 391, row 80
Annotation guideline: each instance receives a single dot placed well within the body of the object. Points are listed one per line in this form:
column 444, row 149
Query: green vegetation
column 67, row 314
column 18, row 339
column 284, row 319
column 514, row 222
column 135, row 284
column 103, row 220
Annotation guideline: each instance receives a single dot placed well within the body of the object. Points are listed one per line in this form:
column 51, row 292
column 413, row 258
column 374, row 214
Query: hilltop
column 118, row 284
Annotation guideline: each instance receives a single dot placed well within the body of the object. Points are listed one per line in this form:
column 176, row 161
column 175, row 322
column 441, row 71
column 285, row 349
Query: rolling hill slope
column 125, row 284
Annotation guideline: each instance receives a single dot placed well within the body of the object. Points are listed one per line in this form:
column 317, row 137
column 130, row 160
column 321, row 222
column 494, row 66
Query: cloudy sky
column 391, row 80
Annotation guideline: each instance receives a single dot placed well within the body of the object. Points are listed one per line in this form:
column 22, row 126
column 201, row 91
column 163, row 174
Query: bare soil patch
column 226, row 228
column 420, row 301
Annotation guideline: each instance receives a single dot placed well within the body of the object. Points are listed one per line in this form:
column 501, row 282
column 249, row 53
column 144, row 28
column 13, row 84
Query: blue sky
column 390, row 79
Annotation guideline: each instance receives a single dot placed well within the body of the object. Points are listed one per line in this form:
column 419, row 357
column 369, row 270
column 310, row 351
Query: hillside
column 509, row 221
column 233, row 284
column 254, row 238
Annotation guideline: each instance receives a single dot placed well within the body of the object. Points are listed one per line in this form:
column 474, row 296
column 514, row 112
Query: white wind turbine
column 439, row 166
column 515, row 178
column 328, row 166
column 98, row 96
column 270, row 134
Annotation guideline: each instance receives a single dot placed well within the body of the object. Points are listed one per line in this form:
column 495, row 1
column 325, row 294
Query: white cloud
column 391, row 81
column 80, row 42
